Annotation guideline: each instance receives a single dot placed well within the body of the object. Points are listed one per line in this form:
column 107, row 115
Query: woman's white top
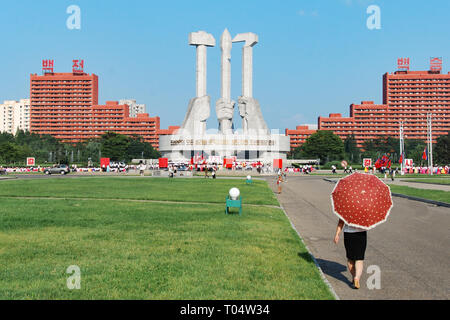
column 349, row 229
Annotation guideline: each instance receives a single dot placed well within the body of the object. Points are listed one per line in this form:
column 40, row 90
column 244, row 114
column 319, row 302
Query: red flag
column 425, row 155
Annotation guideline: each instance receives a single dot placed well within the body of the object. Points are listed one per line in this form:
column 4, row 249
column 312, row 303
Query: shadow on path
column 335, row 270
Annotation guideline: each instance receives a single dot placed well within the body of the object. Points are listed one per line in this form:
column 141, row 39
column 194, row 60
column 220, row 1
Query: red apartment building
column 61, row 104
column 407, row 97
column 114, row 117
column 299, row 135
column 65, row 105
column 171, row 130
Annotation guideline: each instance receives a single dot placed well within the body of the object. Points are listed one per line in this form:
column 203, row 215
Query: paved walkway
column 411, row 248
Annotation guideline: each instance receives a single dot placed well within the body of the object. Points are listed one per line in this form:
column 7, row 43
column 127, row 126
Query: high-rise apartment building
column 408, row 96
column 65, row 105
column 299, row 135
column 61, row 104
column 135, row 108
column 114, row 117
column 15, row 115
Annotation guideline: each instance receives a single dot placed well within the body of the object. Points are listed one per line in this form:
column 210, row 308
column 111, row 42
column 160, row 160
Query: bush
column 330, row 163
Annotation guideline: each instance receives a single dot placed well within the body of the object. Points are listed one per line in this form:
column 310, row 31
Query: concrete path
column 411, row 249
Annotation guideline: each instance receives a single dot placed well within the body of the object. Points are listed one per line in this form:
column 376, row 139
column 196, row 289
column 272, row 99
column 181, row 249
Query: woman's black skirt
column 355, row 245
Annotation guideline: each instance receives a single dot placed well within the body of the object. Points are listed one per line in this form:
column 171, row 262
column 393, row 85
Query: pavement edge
column 322, row 275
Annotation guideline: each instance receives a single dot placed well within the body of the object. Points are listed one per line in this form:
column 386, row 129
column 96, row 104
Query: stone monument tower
column 225, row 106
column 254, row 142
column 199, row 107
column 249, row 109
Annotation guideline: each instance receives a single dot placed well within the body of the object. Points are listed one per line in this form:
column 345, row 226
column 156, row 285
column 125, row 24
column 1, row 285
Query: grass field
column 437, row 195
column 129, row 247
column 141, row 188
column 443, row 181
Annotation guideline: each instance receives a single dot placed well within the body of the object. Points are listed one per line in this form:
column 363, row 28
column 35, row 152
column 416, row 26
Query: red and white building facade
column 65, row 105
column 408, row 96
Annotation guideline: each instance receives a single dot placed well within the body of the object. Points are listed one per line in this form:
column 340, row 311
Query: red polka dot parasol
column 361, row 200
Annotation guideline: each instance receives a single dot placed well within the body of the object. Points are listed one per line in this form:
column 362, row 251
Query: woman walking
column 279, row 181
column 355, row 242
column 361, row 202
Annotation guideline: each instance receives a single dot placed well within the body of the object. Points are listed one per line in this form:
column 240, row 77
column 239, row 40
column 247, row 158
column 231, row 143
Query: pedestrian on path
column 392, row 173
column 279, row 181
column 141, row 169
column 355, row 242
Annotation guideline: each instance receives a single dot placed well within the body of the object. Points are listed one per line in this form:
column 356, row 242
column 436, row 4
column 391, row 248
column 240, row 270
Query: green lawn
column 443, row 181
column 437, row 195
column 148, row 250
column 423, row 176
column 143, row 188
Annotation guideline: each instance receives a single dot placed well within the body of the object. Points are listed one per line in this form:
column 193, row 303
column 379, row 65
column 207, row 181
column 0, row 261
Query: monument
column 225, row 106
column 254, row 142
column 199, row 107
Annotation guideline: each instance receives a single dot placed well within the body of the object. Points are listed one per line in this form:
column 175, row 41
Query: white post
column 402, row 147
column 430, row 142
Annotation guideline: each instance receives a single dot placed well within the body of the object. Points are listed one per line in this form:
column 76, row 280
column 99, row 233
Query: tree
column 323, row 145
column 138, row 148
column 114, row 146
column 351, row 149
column 90, row 149
column 11, row 153
column 46, row 148
column 376, row 148
column 414, row 150
column 6, row 137
column 442, row 149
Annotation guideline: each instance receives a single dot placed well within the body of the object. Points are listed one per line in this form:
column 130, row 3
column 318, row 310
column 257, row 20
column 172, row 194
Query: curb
column 8, row 178
column 399, row 195
column 322, row 275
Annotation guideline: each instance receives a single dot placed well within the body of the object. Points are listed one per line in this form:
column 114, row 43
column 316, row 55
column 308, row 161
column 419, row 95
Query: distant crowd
column 306, row 169
column 426, row 170
column 406, row 170
column 260, row 168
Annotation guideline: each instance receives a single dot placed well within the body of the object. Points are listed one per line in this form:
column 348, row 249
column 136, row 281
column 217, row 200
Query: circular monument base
column 244, row 147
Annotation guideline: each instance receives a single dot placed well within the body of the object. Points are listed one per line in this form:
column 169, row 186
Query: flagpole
column 401, row 148
column 430, row 143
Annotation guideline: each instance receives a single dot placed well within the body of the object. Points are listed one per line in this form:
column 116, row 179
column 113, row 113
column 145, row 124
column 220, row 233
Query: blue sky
column 314, row 57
